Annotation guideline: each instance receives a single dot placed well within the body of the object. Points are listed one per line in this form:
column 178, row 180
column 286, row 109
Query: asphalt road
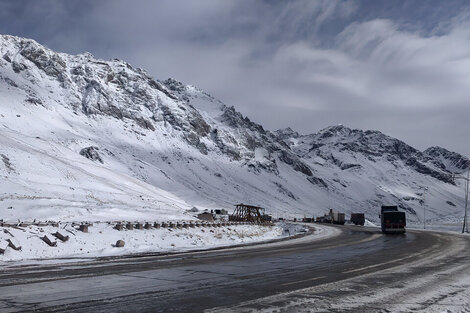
column 230, row 280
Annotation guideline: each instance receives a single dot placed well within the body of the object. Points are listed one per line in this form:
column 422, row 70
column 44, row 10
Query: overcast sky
column 401, row 67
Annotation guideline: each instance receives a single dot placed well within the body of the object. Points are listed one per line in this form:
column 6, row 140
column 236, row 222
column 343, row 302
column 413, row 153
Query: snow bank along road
column 357, row 270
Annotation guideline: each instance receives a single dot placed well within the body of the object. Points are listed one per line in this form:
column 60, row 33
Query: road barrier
column 83, row 228
column 14, row 244
column 48, row 240
column 118, row 225
column 60, row 236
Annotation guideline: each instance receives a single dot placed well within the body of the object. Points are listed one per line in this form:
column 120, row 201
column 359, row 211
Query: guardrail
column 49, row 236
column 138, row 225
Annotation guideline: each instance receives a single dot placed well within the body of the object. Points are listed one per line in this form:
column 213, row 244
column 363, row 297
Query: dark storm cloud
column 402, row 67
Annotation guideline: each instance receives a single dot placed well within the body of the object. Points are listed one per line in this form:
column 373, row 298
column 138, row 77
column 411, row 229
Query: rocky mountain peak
column 335, row 132
column 115, row 89
column 447, row 160
column 286, row 133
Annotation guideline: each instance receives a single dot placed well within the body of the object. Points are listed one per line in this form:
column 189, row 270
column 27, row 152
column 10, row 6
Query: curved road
column 359, row 270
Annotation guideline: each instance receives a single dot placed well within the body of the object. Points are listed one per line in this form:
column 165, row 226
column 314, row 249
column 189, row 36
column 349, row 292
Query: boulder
column 120, row 243
column 83, row 228
column 91, row 153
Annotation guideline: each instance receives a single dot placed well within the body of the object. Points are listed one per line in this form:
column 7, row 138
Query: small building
column 206, row 216
column 221, row 212
column 332, row 217
column 266, row 218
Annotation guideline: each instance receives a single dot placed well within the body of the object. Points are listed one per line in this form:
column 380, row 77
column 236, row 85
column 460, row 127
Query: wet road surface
column 218, row 280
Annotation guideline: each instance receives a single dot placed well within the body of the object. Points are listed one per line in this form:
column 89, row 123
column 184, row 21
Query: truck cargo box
column 358, row 218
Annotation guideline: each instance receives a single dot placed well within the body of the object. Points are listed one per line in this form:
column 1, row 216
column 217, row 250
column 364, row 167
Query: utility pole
column 424, row 202
column 465, row 223
column 423, row 198
column 467, row 181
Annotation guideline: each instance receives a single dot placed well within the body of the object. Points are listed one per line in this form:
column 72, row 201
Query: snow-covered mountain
column 82, row 138
column 364, row 169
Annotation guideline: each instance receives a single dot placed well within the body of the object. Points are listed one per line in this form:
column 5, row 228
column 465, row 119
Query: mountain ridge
column 180, row 143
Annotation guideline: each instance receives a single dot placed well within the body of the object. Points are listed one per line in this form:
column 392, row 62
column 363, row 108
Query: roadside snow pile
column 292, row 229
column 101, row 238
column 370, row 224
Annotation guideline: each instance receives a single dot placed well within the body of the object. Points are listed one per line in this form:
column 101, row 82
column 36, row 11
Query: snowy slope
column 364, row 169
column 163, row 147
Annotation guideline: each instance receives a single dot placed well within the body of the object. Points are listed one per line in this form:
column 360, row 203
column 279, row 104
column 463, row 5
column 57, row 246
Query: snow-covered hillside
column 365, row 169
column 87, row 139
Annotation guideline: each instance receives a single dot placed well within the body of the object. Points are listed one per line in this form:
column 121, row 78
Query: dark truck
column 392, row 220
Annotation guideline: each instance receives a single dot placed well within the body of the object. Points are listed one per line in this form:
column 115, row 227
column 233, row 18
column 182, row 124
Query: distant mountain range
column 87, row 139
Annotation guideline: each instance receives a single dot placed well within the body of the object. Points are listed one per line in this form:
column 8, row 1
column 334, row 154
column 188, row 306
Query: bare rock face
column 447, row 160
column 118, row 90
column 293, row 160
column 51, row 63
column 18, row 67
column 7, row 163
column 339, row 145
column 91, row 153
column 286, row 133
column 120, row 243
